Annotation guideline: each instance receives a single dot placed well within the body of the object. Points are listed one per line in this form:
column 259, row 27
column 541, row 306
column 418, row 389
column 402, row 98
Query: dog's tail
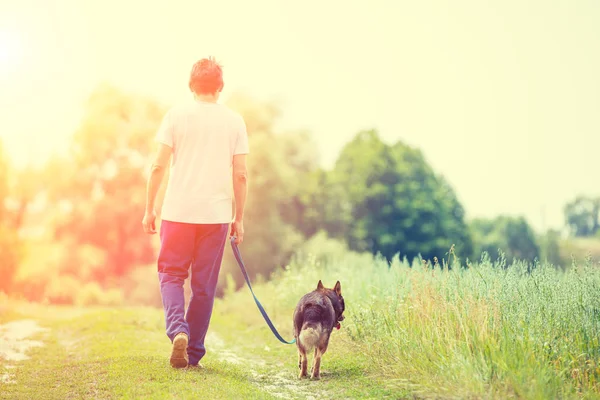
column 310, row 335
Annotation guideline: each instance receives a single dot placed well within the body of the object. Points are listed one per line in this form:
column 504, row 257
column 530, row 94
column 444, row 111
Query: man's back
column 204, row 137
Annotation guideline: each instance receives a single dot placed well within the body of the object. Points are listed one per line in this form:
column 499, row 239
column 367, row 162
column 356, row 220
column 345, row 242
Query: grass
column 486, row 331
column 122, row 353
column 116, row 353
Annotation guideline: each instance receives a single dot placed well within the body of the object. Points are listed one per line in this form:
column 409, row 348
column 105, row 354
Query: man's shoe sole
column 179, row 353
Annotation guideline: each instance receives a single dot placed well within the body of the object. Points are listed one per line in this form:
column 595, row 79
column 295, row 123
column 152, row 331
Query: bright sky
column 502, row 97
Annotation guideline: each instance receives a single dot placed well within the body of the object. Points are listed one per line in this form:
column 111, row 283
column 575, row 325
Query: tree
column 298, row 154
column 583, row 216
column 392, row 201
column 101, row 187
column 511, row 235
column 278, row 169
column 10, row 243
column 550, row 248
column 321, row 204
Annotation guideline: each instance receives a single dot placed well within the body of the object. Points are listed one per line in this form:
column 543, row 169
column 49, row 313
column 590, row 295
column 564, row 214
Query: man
column 208, row 144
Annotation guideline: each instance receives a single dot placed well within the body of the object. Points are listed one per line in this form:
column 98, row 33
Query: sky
column 503, row 98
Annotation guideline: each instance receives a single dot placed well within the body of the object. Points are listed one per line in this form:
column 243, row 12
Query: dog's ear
column 320, row 285
column 338, row 288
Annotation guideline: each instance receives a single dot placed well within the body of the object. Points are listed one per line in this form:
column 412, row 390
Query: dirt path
column 15, row 343
column 267, row 377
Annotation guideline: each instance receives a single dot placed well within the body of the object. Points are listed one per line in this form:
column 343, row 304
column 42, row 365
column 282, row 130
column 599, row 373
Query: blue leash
column 238, row 257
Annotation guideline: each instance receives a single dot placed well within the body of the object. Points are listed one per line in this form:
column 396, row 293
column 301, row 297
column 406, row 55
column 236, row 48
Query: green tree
column 278, row 169
column 511, row 235
column 582, row 216
column 550, row 248
column 297, row 151
column 393, row 202
column 322, row 204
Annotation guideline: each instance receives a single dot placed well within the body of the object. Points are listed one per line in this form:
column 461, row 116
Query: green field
column 487, row 331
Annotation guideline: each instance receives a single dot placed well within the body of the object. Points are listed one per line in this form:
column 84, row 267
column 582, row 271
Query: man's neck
column 206, row 98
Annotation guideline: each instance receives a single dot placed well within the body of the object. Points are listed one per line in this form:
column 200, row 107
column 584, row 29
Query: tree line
column 77, row 219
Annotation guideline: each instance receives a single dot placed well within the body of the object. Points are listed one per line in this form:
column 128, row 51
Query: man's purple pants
column 201, row 247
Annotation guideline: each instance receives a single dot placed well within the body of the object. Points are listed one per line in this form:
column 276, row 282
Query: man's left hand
column 149, row 222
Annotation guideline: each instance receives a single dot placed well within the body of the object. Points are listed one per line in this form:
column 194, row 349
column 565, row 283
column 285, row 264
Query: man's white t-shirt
column 204, row 138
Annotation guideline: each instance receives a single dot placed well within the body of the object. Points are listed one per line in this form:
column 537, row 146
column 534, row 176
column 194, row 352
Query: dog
column 315, row 316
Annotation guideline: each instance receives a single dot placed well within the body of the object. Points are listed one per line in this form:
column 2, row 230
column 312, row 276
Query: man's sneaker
column 179, row 356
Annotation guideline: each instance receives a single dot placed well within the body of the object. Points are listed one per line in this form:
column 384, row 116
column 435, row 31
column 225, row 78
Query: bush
column 141, row 287
column 578, row 250
column 62, row 290
column 91, row 294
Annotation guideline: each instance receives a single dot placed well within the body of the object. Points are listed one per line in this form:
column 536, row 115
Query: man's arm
column 240, row 191
column 157, row 173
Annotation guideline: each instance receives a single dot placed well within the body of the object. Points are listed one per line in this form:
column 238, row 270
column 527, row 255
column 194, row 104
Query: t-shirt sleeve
column 165, row 131
column 241, row 145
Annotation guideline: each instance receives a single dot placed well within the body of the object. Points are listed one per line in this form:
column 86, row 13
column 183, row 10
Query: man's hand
column 240, row 190
column 237, row 230
column 149, row 222
column 157, row 172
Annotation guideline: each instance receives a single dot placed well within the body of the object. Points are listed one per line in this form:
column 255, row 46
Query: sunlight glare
column 9, row 51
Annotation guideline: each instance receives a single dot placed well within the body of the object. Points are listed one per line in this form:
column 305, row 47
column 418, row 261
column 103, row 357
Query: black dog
column 316, row 314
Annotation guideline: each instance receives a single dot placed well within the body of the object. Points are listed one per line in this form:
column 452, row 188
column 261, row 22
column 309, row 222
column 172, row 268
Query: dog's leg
column 316, row 370
column 319, row 351
column 312, row 368
column 302, row 360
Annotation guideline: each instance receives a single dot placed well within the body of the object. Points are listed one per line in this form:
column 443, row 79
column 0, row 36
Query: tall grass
column 486, row 330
